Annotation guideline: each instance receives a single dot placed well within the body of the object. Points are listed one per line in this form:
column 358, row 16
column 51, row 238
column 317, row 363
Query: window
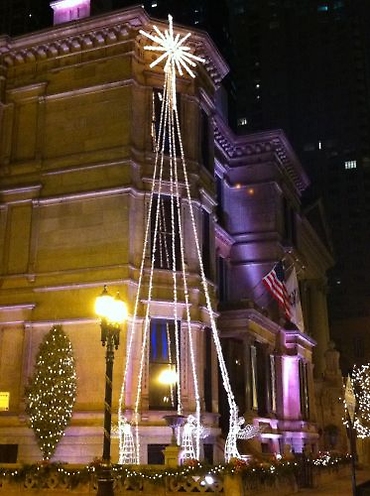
column 358, row 347
column 207, row 157
column 309, row 147
column 338, row 5
column 8, row 453
column 220, row 199
column 208, row 383
column 160, row 132
column 222, row 278
column 165, row 237
column 206, row 243
column 208, row 453
column 262, row 379
column 242, row 121
column 260, row 388
column 289, row 223
column 155, row 454
column 350, row 164
column 163, row 365
column 273, row 385
column 303, row 383
column 254, row 377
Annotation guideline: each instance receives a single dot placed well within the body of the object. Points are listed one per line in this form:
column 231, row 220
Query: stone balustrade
column 60, row 480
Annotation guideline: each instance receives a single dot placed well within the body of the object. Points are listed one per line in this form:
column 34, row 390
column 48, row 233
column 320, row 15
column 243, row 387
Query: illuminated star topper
column 177, row 54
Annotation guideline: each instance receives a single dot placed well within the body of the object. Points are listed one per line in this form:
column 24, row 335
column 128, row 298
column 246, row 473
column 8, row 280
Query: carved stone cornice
column 98, row 32
column 258, row 147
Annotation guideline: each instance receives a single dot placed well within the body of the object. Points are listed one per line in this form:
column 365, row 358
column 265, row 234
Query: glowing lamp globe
column 111, row 309
column 168, row 376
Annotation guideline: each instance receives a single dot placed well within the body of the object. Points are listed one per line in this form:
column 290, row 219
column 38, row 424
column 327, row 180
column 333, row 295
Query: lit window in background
column 350, row 164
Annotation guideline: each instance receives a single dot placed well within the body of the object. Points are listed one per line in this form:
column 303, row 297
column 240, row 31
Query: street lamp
column 112, row 313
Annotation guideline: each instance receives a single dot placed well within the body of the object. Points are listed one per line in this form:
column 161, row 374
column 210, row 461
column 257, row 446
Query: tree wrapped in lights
column 361, row 385
column 51, row 393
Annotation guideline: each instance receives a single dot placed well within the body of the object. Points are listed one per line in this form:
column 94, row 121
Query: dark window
column 206, row 243
column 359, row 347
column 162, row 128
column 220, row 202
column 222, row 278
column 265, row 448
column 253, row 373
column 236, row 368
column 303, row 382
column 289, row 233
column 262, row 381
column 8, row 453
column 234, row 354
column 208, row 453
column 273, row 384
column 155, row 454
column 206, row 142
column 162, row 365
column 165, row 239
column 208, row 370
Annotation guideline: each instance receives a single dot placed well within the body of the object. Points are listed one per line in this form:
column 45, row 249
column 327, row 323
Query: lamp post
column 112, row 313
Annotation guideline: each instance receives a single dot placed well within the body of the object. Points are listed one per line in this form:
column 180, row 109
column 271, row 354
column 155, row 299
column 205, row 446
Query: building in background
column 76, row 156
column 303, row 66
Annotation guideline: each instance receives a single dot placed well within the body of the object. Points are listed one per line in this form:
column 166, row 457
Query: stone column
column 291, row 387
column 172, row 456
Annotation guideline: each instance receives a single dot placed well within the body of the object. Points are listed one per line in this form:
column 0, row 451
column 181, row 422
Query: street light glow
column 111, row 309
column 168, row 376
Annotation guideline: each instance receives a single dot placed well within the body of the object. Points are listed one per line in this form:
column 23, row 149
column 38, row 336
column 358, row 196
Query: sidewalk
column 342, row 486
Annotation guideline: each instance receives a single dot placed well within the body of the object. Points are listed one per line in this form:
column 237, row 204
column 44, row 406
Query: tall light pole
column 112, row 313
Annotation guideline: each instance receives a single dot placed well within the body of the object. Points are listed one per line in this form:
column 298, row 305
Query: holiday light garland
column 253, row 470
column 51, row 393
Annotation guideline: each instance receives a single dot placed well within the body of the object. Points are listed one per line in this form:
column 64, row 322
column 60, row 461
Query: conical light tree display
column 51, row 393
column 164, row 240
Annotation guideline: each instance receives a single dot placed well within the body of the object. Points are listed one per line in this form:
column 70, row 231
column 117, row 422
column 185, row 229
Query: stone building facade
column 76, row 156
column 262, row 220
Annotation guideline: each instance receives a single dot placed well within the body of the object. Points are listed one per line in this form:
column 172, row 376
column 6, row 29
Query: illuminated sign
column 4, row 401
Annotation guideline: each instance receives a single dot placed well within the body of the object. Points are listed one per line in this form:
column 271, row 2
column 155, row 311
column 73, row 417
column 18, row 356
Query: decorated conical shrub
column 51, row 393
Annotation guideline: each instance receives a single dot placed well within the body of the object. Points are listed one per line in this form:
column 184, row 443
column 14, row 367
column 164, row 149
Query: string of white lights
column 158, row 164
column 361, row 384
column 178, row 58
column 174, row 199
column 175, row 125
column 224, row 374
column 170, row 75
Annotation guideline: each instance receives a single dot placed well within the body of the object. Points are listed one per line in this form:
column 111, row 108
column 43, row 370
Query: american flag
column 274, row 281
